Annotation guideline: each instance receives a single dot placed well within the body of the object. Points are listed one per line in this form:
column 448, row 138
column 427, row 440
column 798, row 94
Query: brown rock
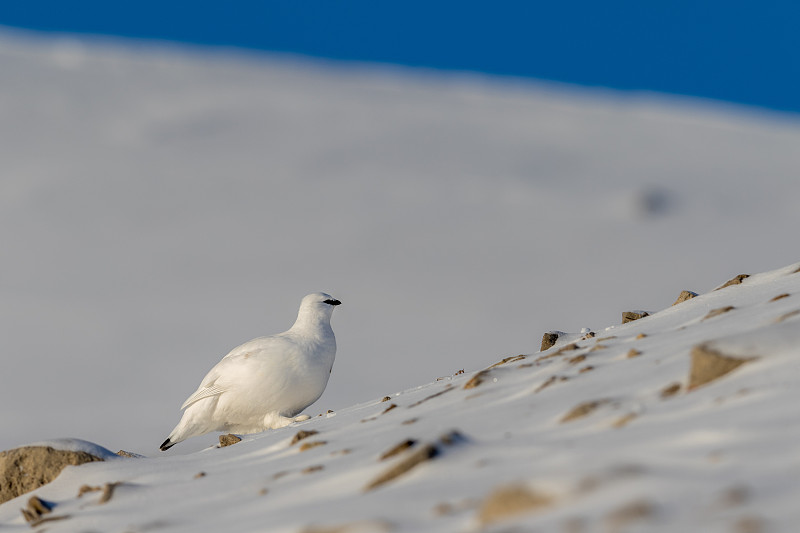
column 708, row 365
column 634, row 353
column 228, row 440
column 424, row 453
column 780, row 297
column 37, row 509
column 508, row 360
column 476, row 380
column 577, row 359
column 394, row 450
column 685, row 295
column 583, row 409
column 25, row 469
column 670, row 390
column 131, row 455
column 630, row 316
column 735, row 281
column 632, row 512
column 302, row 434
column 549, row 339
column 313, row 444
column 718, row 311
column 510, row 501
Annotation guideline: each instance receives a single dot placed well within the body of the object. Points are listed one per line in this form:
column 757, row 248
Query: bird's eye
column 332, row 302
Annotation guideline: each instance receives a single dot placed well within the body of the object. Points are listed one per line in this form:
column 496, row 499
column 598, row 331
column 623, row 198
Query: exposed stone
column 788, row 315
column 549, row 339
column 718, row 311
column 302, row 434
column 313, row 444
column 508, row 360
column 312, row 469
column 685, row 295
column 394, row 450
column 228, row 440
column 510, row 501
column 670, row 390
column 632, row 512
column 37, row 509
column 547, row 383
column 708, row 365
column 583, row 409
column 422, row 454
column 476, row 380
column 735, row 281
column 780, row 297
column 633, row 353
column 449, row 387
column 386, row 398
column 623, row 420
column 577, row 359
column 130, row 455
column 28, row 468
column 630, row 316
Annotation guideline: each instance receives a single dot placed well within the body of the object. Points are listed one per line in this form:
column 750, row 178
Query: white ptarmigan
column 264, row 383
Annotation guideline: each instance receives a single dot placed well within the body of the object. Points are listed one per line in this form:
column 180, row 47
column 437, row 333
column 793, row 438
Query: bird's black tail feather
column 166, row 445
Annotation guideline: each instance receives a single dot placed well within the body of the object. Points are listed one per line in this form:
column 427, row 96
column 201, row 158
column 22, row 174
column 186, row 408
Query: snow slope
column 651, row 456
column 159, row 206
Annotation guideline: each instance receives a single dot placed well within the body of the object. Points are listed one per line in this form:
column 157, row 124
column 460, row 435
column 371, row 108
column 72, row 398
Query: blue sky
column 744, row 52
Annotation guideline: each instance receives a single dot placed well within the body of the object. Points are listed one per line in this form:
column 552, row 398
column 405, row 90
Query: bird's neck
column 312, row 324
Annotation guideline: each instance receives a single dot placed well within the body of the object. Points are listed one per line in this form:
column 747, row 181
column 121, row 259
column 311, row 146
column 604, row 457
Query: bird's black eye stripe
column 332, row 302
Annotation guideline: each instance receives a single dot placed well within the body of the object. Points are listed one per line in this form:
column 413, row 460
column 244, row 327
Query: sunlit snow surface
column 720, row 458
column 159, row 206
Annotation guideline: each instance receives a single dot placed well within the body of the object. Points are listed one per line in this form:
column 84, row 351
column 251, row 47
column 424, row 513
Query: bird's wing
column 203, row 392
column 228, row 371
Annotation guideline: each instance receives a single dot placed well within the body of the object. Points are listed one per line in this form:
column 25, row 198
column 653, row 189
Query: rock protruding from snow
column 685, row 295
column 630, row 316
column 735, row 281
column 29, row 467
column 549, row 340
column 708, row 365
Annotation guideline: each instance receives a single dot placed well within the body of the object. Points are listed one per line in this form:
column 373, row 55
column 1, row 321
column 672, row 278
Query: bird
column 266, row 382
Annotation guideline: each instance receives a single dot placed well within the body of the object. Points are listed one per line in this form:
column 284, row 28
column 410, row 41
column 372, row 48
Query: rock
column 302, row 434
column 477, row 379
column 630, row 316
column 583, row 409
column 424, row 453
column 29, row 467
column 509, row 501
column 709, row 365
column 313, row 444
column 38, row 511
column 228, row 440
column 670, row 390
column 718, row 311
column 394, row 450
column 735, row 281
column 685, row 295
column 549, row 339
column 131, row 455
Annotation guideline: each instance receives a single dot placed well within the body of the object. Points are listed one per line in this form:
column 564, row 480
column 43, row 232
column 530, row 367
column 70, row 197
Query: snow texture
column 582, row 437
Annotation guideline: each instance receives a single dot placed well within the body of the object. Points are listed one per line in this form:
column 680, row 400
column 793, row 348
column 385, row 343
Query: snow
column 145, row 190
column 78, row 445
column 721, row 457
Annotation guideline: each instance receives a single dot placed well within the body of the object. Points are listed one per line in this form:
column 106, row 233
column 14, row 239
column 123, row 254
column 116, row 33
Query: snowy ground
column 653, row 455
column 159, row 206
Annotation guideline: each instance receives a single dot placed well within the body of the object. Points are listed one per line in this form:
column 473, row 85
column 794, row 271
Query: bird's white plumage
column 263, row 383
